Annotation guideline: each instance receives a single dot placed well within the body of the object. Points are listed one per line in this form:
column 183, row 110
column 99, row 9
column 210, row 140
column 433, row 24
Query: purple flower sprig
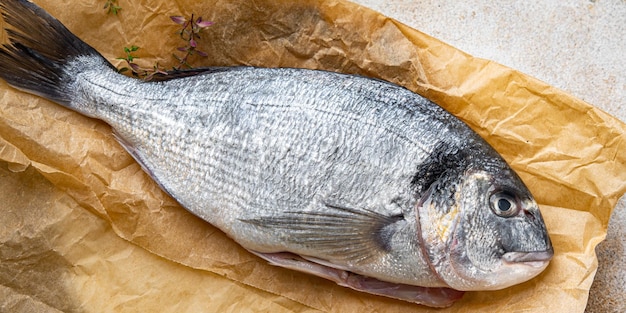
column 190, row 33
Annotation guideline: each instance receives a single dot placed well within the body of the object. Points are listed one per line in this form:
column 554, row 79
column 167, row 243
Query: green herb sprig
column 138, row 71
column 190, row 33
column 112, row 7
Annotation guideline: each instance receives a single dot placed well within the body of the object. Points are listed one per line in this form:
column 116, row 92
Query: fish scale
column 353, row 179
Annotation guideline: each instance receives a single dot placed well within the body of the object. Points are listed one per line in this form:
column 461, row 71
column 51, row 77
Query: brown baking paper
column 83, row 228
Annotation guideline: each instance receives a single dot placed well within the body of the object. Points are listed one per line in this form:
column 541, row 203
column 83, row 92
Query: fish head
column 488, row 233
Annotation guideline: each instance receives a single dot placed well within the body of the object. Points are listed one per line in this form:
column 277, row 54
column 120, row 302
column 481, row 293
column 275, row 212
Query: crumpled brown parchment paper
column 84, row 229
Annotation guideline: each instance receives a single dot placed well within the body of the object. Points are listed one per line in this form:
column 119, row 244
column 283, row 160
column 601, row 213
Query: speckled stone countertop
column 576, row 45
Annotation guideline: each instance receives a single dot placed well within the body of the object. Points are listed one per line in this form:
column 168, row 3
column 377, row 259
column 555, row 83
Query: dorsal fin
column 175, row 74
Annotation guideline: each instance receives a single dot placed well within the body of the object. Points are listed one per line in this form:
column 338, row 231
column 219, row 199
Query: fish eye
column 504, row 204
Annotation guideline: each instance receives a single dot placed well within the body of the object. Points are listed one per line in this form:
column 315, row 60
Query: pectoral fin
column 337, row 232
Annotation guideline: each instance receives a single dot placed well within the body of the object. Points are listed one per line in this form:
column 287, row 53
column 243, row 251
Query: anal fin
column 130, row 148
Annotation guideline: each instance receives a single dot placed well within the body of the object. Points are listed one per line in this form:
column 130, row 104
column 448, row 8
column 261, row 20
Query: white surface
column 575, row 45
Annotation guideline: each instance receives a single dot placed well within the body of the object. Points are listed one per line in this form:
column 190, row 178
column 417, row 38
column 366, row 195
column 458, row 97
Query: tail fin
column 40, row 47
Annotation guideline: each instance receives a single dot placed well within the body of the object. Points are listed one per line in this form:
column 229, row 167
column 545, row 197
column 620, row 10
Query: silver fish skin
column 349, row 178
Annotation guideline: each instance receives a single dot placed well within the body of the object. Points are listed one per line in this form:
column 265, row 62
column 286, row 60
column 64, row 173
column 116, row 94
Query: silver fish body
column 250, row 143
column 349, row 178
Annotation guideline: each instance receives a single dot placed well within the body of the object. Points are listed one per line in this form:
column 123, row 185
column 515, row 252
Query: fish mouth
column 533, row 258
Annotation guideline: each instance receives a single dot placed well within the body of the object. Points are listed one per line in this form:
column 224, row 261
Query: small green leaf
column 111, row 7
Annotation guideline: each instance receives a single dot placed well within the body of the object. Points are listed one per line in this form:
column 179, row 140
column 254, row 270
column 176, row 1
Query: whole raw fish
column 353, row 179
